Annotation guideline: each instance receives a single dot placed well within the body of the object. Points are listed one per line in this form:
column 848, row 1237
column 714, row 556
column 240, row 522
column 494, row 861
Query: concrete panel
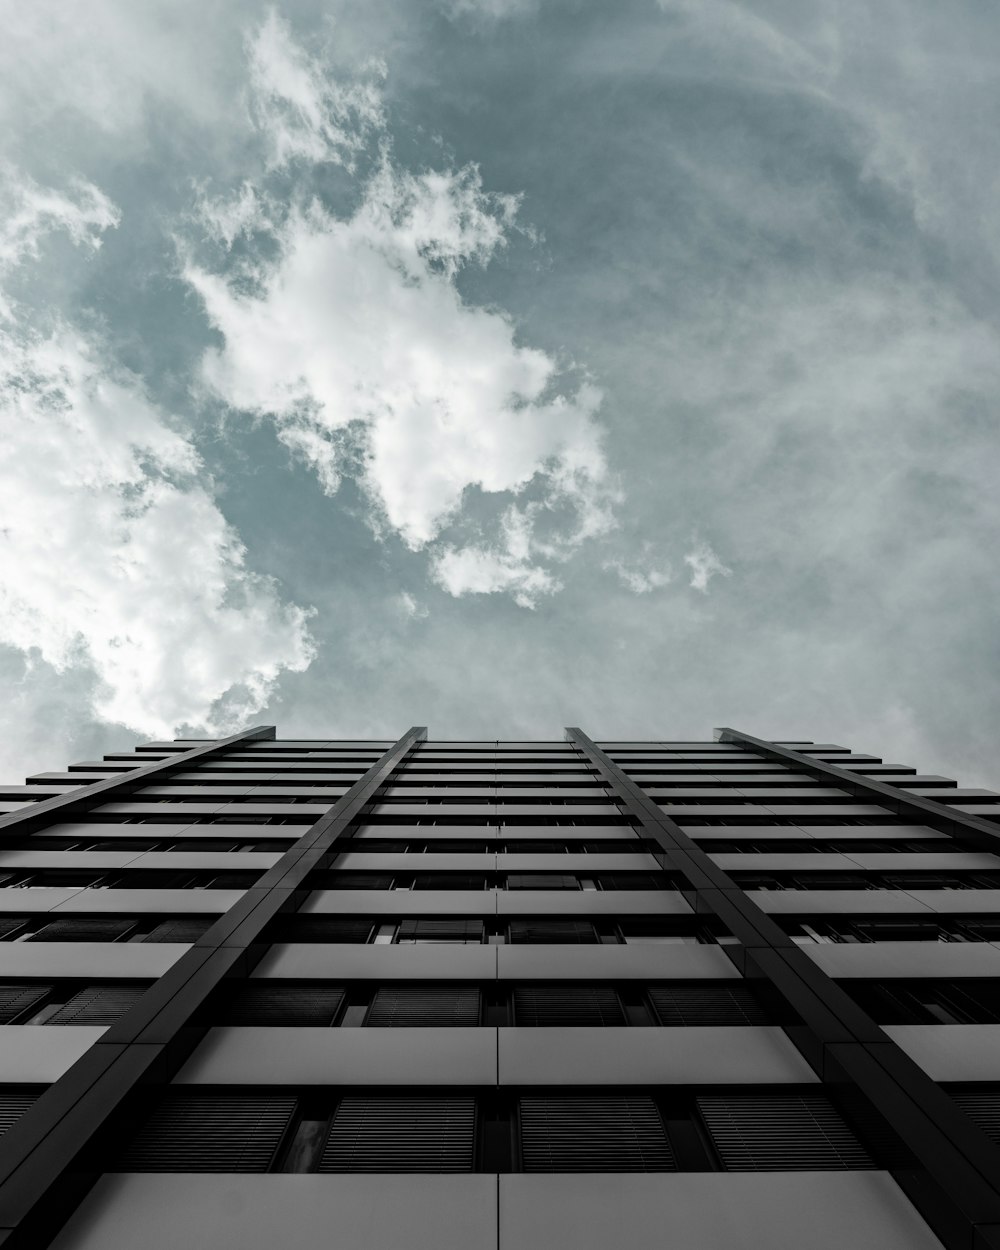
column 585, row 865
column 946, row 902
column 314, row 1056
column 230, row 861
column 134, row 902
column 738, row 1055
column 838, row 902
column 415, row 861
column 38, row 1053
column 381, row 963
column 62, row 860
column 907, row 959
column 91, row 960
column 710, row 1211
column 402, row 902
column 927, row 861
column 774, row 861
column 95, row 829
column 609, row 963
column 592, row 903
column 34, row 899
column 952, row 1052
column 384, row 1212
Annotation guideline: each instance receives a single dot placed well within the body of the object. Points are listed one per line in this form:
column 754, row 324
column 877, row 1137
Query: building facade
column 499, row 996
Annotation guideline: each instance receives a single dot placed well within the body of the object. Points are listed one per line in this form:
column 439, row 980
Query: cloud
column 704, row 565
column 639, row 581
column 352, row 336
column 411, row 607
column 29, row 212
column 114, row 557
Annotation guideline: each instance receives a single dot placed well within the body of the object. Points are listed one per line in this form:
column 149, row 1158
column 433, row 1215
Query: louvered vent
column 567, row 1005
column 984, row 1111
column 796, row 1134
column 423, row 1006
column 315, row 1005
column 401, row 1135
column 16, row 1000
column 444, row 930
column 12, row 1106
column 326, row 929
column 552, row 932
column 83, row 929
column 180, row 929
column 599, row 1134
column 98, row 1004
column 703, row 1005
column 210, row 1135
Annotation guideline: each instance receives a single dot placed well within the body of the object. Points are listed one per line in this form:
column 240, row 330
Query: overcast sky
column 499, row 365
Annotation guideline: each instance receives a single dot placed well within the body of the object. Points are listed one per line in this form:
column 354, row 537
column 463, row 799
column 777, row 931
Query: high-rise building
column 499, row 996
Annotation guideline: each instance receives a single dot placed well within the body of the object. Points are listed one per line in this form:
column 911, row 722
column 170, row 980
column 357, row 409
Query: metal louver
column 781, row 1134
column 401, row 1135
column 15, row 1000
column 195, row 1134
column 9, row 925
column 984, row 1111
column 98, row 1004
column 552, row 932
column 12, row 1106
column 82, row 929
column 599, row 1134
column 423, row 1006
column 180, row 929
column 315, row 1005
column 567, row 1005
column 443, row 930
column 706, row 1005
column 361, row 881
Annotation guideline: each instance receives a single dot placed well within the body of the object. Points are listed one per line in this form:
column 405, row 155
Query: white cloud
column 303, row 112
column 355, row 336
column 704, row 565
column 114, row 557
column 410, row 606
column 28, row 212
column 641, row 581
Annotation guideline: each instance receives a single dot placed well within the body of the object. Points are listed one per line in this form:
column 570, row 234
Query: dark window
column 448, row 881
column 98, row 1004
column 706, row 1005
column 983, row 1109
column 380, row 1134
column 423, row 1006
column 179, row 929
column 781, row 1134
column 542, row 881
column 323, row 929
column 17, row 1001
column 13, row 1104
column 207, row 1134
column 567, row 1005
column 597, row 1134
column 447, row 930
column 10, row 925
column 359, row 881
column 83, row 929
column 552, row 932
column 264, row 1004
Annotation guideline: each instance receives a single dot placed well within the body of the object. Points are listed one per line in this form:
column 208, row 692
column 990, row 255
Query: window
column 262, row 1004
column 593, row 1134
column 567, row 1005
column 424, row 1006
column 446, row 930
column 386, row 1134
column 781, row 1134
column 204, row 1133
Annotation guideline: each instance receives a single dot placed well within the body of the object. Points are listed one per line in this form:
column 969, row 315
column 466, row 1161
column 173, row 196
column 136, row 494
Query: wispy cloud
column 704, row 565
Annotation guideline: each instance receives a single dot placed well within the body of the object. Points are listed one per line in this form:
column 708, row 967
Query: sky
column 500, row 365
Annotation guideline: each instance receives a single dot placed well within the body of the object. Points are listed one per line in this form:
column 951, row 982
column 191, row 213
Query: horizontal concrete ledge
column 701, row 1211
